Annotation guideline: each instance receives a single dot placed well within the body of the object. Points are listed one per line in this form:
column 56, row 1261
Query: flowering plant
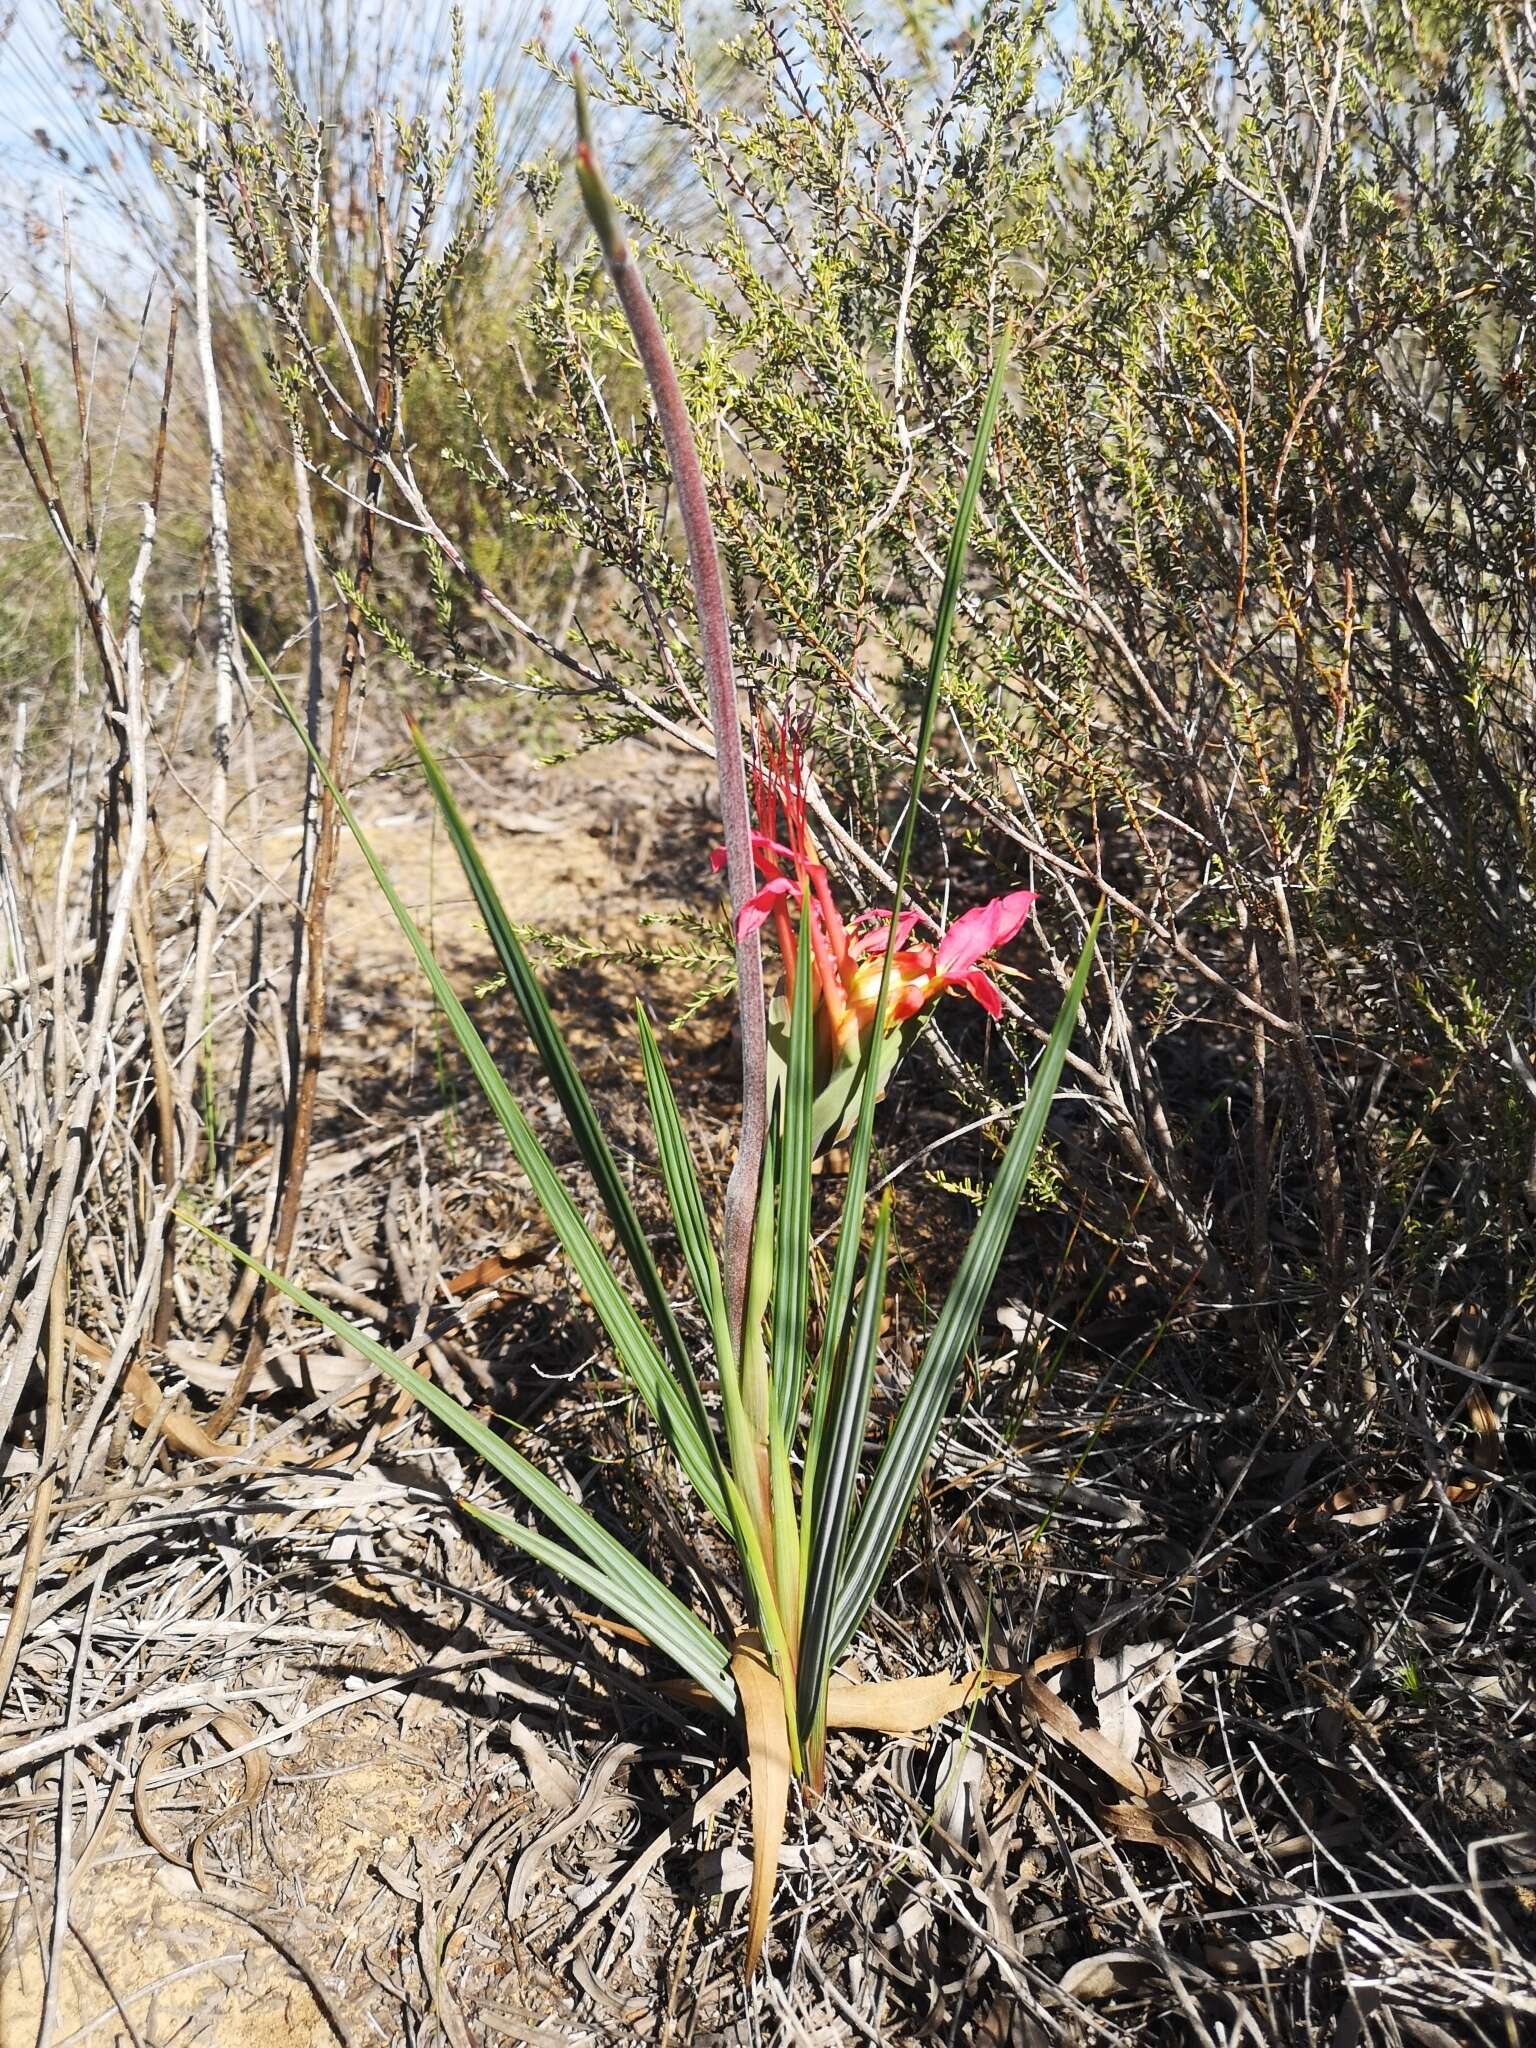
column 773, row 1437
column 845, row 961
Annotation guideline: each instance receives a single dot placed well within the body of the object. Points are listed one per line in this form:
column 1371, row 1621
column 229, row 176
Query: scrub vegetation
column 1080, row 570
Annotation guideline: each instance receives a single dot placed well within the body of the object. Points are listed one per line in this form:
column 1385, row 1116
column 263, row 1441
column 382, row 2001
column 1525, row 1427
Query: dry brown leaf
column 87, row 1345
column 1163, row 1826
column 556, row 1789
column 1266, row 1955
column 1116, row 1676
column 595, row 1799
column 606, row 1625
column 184, row 1433
column 883, row 1706
column 494, row 1270
column 1189, row 1785
column 1062, row 1725
column 1342, row 1508
column 235, row 1734
column 200, row 1369
column 688, row 1693
column 1488, row 1438
column 905, row 1706
column 762, row 1713
column 1104, row 1976
column 181, row 1432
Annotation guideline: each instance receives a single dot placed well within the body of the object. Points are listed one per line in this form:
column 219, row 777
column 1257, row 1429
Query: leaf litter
column 1216, row 1801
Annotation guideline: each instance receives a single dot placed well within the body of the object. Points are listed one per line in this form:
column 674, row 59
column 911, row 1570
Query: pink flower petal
column 982, row 931
column 983, row 988
column 768, row 852
column 871, row 927
column 757, row 910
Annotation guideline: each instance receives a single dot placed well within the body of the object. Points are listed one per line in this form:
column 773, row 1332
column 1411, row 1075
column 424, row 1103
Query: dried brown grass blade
column 182, row 1432
column 605, row 1625
column 762, row 1713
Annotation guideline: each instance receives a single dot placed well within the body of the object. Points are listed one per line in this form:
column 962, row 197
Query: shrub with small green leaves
column 1244, row 647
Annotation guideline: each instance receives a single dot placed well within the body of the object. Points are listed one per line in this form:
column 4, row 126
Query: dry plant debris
column 333, row 1774
column 286, row 1753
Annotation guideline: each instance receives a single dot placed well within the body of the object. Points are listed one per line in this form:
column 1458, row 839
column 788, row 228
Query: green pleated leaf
column 757, row 1565
column 620, row 1601
column 680, row 1177
column 558, row 1065
column 917, row 1424
column 785, row 1557
column 756, row 1392
column 845, row 1259
column 827, row 1522
column 792, row 1228
column 634, row 1348
column 597, row 1562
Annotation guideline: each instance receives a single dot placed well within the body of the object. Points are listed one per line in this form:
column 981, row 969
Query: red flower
column 847, row 958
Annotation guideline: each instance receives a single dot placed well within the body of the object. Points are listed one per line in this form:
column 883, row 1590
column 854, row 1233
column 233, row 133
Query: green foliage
column 811, row 1546
column 1246, row 636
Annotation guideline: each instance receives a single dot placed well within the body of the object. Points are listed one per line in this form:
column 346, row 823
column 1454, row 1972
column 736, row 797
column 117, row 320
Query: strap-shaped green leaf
column 600, row 1564
column 764, row 1597
column 792, row 1228
column 600, row 1586
column 756, row 1393
column 917, row 1424
column 634, row 1348
column 687, row 1203
column 842, row 1451
column 558, row 1065
column 845, row 1259
column 786, row 1531
column 684, row 1197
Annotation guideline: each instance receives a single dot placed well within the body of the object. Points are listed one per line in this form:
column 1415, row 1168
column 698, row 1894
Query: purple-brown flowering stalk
column 715, row 647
